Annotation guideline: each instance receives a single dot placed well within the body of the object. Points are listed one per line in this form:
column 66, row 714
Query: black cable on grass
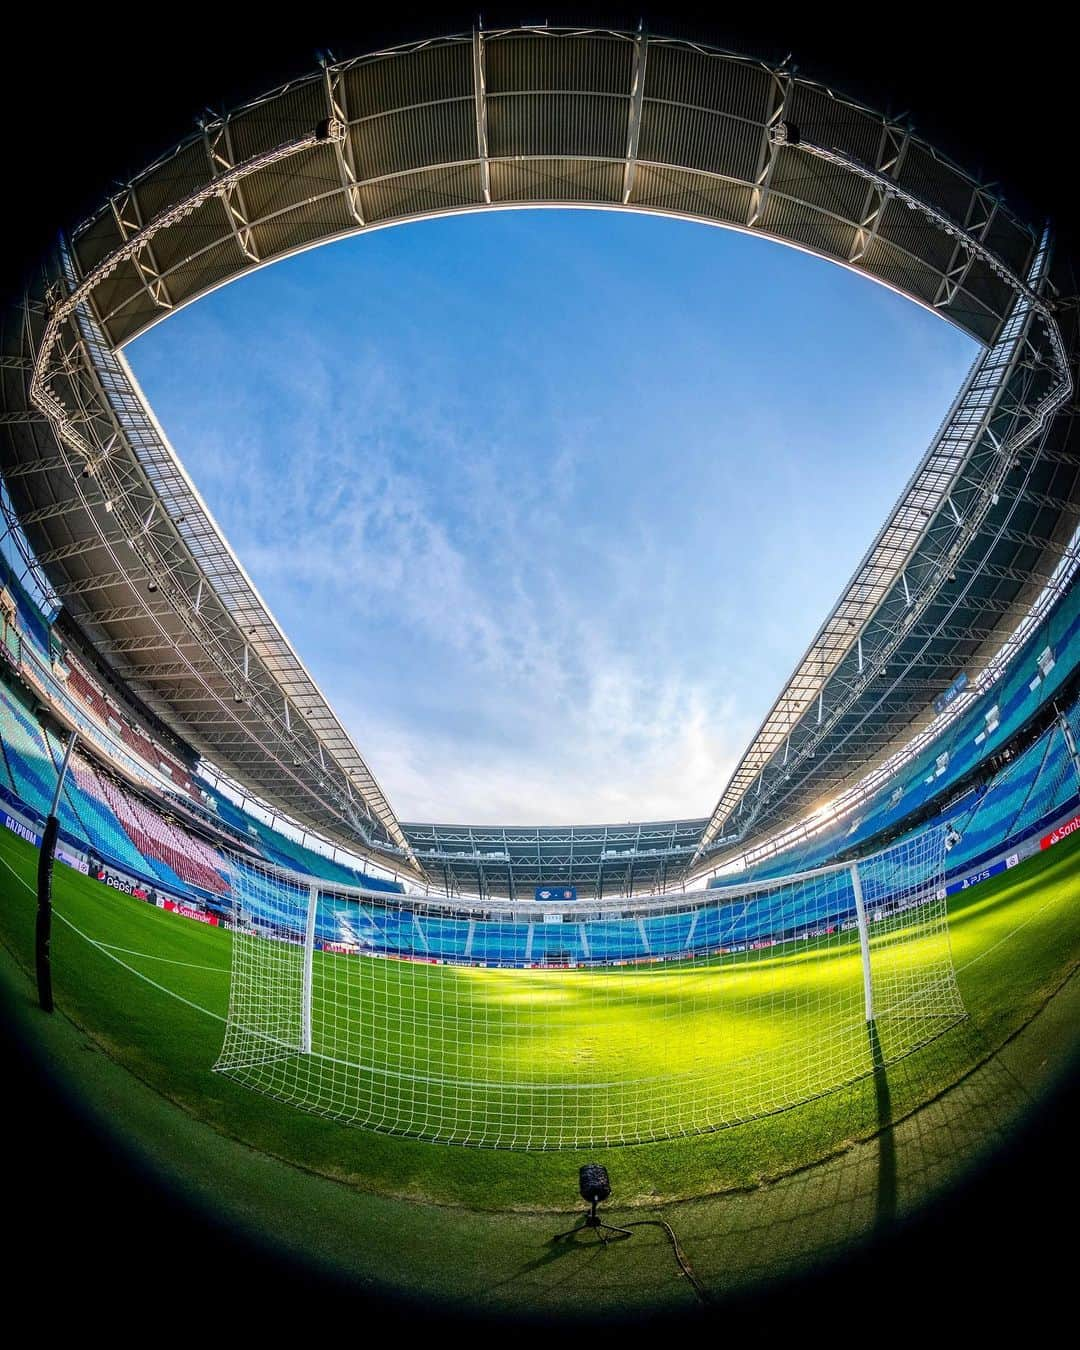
column 680, row 1256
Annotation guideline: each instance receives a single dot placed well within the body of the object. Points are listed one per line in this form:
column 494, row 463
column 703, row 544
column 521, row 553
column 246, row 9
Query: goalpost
column 534, row 1026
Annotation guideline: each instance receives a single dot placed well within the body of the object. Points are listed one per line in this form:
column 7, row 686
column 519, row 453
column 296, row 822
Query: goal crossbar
column 527, row 1025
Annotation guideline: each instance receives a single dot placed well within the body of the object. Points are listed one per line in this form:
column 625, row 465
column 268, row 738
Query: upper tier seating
column 289, row 853
column 1034, row 677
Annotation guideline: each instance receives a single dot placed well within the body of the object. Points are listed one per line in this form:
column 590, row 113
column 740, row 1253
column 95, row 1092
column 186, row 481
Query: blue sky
column 551, row 502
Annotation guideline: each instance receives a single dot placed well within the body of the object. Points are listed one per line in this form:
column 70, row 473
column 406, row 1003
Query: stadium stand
column 1048, row 658
column 103, row 828
column 1032, row 789
column 121, row 742
column 160, row 842
column 32, row 624
column 1035, row 788
column 95, row 813
column 278, row 847
column 1023, row 798
column 104, row 711
column 138, row 836
column 1023, row 791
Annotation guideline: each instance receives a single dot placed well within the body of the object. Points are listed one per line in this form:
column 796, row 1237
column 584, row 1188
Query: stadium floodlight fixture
column 594, row 1185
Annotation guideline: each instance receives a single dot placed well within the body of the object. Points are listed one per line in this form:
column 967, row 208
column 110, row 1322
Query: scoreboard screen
column 550, row 893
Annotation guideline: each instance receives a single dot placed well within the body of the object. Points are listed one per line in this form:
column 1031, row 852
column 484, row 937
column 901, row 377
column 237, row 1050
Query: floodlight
column 330, row 129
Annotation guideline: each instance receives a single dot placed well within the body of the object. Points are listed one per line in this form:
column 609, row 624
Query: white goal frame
column 376, row 1037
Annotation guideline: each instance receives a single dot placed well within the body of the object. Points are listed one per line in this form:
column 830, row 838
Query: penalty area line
column 148, row 956
column 103, row 948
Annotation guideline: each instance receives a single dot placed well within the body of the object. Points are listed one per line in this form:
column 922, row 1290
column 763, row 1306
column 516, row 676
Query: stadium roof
column 512, row 861
column 524, row 117
column 971, row 543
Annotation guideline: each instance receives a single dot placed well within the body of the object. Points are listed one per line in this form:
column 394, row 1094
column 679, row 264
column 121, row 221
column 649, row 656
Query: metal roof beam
column 129, row 221
column 769, row 144
column 637, row 98
column 480, row 102
column 218, row 141
column 336, row 99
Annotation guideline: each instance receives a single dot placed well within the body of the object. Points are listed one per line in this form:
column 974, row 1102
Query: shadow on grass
column 746, row 1240
column 579, row 1270
column 885, row 1200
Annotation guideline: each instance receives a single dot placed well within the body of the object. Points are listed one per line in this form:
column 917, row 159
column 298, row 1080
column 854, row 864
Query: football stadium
column 395, row 1049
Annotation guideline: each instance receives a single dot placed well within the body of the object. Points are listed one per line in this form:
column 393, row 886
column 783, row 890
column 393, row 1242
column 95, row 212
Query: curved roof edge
column 493, row 118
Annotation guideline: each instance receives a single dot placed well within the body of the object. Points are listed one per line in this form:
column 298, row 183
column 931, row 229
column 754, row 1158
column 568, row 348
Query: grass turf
column 585, row 1057
column 152, row 989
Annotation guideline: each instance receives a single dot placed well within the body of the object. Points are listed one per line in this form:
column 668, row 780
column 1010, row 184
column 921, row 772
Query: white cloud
column 427, row 536
column 624, row 755
column 580, row 721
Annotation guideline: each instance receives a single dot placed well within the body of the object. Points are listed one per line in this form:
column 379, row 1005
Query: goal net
column 545, row 1026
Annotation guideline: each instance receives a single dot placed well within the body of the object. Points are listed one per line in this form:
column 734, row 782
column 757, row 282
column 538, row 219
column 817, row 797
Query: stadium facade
column 128, row 614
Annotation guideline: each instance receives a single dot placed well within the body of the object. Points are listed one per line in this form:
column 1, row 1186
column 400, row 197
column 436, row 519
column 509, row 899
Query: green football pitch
column 591, row 1056
column 152, row 990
